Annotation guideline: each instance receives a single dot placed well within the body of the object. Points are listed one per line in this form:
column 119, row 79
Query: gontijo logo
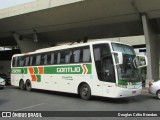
column 68, row 69
column 73, row 69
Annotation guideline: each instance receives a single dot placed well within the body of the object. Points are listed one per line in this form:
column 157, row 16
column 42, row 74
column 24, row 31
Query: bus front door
column 108, row 75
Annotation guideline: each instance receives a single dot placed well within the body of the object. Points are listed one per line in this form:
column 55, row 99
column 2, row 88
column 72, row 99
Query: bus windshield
column 123, row 48
column 126, row 71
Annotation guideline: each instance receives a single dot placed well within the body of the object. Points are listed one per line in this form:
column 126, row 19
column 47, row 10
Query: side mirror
column 118, row 57
column 140, row 61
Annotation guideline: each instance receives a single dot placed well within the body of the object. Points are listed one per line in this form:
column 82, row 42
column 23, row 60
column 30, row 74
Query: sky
column 11, row 3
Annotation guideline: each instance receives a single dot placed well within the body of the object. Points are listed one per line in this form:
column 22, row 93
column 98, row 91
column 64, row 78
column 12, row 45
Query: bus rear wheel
column 21, row 85
column 28, row 85
column 85, row 91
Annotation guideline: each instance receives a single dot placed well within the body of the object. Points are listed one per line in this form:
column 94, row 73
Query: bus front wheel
column 85, row 91
column 28, row 85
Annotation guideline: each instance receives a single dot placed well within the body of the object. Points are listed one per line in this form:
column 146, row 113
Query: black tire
column 85, row 92
column 158, row 94
column 21, row 85
column 28, row 85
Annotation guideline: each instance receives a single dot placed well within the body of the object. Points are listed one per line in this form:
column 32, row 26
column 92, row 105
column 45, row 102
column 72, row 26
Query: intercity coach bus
column 101, row 68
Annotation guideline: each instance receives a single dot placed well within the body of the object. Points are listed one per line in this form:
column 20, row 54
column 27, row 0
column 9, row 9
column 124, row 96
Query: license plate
column 133, row 92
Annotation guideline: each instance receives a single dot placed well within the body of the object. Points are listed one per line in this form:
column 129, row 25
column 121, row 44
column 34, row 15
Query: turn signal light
column 150, row 84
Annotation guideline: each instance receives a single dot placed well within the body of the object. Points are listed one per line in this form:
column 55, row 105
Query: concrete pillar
column 28, row 44
column 152, row 42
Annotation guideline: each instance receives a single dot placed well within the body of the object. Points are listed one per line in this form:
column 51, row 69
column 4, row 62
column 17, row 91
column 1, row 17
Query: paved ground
column 13, row 99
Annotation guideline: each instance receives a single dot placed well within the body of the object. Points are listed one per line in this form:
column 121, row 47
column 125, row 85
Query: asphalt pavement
column 14, row 99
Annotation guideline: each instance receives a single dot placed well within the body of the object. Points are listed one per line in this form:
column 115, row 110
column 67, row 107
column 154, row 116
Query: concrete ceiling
column 91, row 18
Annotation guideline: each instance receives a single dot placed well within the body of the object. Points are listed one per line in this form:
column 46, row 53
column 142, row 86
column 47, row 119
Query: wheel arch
column 157, row 91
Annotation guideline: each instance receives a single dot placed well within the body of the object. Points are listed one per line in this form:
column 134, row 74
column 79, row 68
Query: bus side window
column 30, row 62
column 33, row 60
column 75, row 58
column 86, row 55
column 52, row 59
column 55, row 58
column 21, row 61
column 27, row 61
column 68, row 56
column 45, row 59
column 58, row 58
column 62, row 57
column 17, row 62
column 38, row 59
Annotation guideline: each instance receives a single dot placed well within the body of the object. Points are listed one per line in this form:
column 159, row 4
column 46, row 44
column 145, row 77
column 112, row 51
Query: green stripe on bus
column 75, row 69
column 25, row 71
column 63, row 70
column 70, row 69
column 89, row 66
column 35, row 70
column 38, row 78
column 134, row 83
column 122, row 82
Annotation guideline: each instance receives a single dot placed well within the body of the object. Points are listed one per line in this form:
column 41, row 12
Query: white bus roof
column 61, row 47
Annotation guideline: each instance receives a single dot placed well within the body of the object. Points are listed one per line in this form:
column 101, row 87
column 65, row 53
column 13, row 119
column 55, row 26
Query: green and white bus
column 101, row 68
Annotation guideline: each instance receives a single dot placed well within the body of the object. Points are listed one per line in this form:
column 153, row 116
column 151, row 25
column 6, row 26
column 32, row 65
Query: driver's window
column 103, row 62
column 108, row 70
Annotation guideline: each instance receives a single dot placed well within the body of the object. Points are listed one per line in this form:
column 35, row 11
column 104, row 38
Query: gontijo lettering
column 68, row 69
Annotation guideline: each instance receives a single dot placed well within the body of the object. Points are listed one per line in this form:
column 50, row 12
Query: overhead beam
column 28, row 44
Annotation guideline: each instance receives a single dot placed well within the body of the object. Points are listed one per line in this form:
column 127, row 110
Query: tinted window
column 21, row 61
column 14, row 62
column 74, row 55
column 38, row 59
column 17, row 62
column 86, row 55
column 123, row 48
column 26, row 63
column 58, row 58
column 68, row 56
column 103, row 62
column 32, row 60
column 45, row 59
column 75, row 58
column 81, row 54
column 62, row 57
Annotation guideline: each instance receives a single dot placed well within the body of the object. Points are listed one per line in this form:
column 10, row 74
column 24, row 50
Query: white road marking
column 29, row 107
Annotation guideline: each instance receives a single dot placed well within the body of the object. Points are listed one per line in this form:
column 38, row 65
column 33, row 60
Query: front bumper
column 2, row 86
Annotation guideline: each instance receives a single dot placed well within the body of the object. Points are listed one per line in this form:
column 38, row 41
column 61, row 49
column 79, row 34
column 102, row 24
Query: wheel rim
column 85, row 91
column 28, row 85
